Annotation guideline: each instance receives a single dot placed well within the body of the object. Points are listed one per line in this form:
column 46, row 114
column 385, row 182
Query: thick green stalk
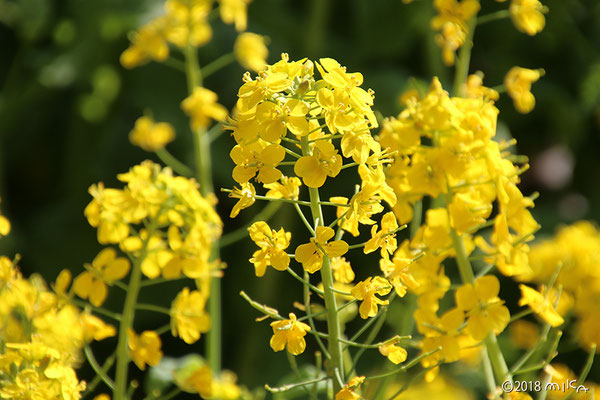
column 336, row 363
column 120, row 392
column 202, row 159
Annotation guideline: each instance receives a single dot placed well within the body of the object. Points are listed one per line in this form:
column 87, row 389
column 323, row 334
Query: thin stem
column 333, row 322
column 264, row 215
column 217, row 64
column 484, row 19
column 310, row 315
column 202, row 156
column 294, row 366
column 489, row 375
column 120, row 392
column 291, row 386
column 464, row 59
column 410, row 364
column 157, row 281
column 303, row 218
column 305, row 282
column 271, row 312
column 174, row 163
column 152, row 307
column 99, row 310
column 100, row 371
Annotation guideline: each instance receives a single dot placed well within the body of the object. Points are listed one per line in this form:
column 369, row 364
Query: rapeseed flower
column 311, row 254
column 367, row 291
column 289, row 333
column 151, row 136
column 272, row 245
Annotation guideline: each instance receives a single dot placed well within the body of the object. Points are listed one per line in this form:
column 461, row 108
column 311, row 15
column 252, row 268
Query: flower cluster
column 573, row 253
column 164, row 224
column 41, row 337
column 444, row 148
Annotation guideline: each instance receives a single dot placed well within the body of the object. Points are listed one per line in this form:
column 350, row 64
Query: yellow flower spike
column 251, row 51
column 485, row 310
column 518, row 83
column 246, row 195
column 188, row 316
column 257, row 158
column 289, row 333
column 367, row 291
column 95, row 329
column 289, row 188
column 310, row 255
column 144, row 349
column 348, row 392
column 384, row 238
column 335, row 104
column 528, row 15
column 201, row 106
column 151, row 136
column 272, row 245
column 186, row 22
column 234, row 12
column 324, row 161
column 540, row 305
column 105, row 269
column 395, row 354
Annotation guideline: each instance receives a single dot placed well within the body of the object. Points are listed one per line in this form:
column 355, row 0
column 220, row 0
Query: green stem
column 120, row 392
column 100, row 371
column 484, row 19
column 264, row 215
column 217, row 64
column 202, row 157
column 336, row 364
column 174, row 163
column 464, row 59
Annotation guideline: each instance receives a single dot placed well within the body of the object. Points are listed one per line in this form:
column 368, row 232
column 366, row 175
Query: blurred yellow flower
column 188, row 316
column 518, row 83
column 367, row 291
column 540, row 304
column 528, row 15
column 235, row 12
column 251, row 51
column 151, row 136
column 145, row 348
column 201, row 106
column 104, row 269
column 395, row 354
column 348, row 392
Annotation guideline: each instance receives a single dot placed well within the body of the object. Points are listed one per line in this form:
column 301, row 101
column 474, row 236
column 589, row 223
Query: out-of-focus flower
column 528, row 15
column 251, row 51
column 518, row 83
column 151, row 136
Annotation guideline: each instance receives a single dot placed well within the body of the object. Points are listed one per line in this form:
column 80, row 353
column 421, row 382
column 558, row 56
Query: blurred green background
column 67, row 106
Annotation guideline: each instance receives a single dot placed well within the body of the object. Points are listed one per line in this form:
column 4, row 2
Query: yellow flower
column 251, row 51
column 395, row 354
column 145, row 348
column 474, row 88
column 485, row 310
column 290, row 333
column 518, row 83
column 234, row 11
column 348, row 392
column 366, row 291
column 265, row 85
column 272, row 245
column 524, row 334
column 452, row 24
column 4, row 226
column 151, row 136
column 257, row 158
column 323, row 162
column 105, row 269
column 289, row 188
column 246, row 195
column 528, row 15
column 202, row 106
column 398, row 273
column 102, row 396
column 186, row 22
column 188, row 316
column 311, row 254
column 540, row 305
column 342, row 270
column 385, row 238
column 148, row 43
column 95, row 329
